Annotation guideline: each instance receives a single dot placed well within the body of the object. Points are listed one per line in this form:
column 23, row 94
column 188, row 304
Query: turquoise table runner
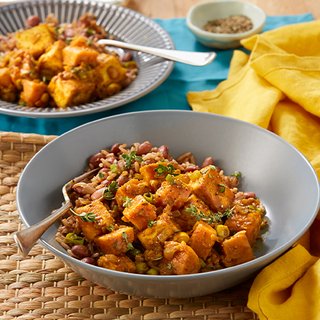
column 170, row 95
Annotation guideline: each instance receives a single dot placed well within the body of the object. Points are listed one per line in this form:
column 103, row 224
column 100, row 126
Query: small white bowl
column 199, row 14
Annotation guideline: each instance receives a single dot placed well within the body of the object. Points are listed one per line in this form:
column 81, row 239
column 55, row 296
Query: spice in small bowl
column 230, row 24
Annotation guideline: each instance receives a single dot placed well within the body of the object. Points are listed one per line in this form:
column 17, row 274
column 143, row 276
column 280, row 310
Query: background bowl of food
column 170, row 215
column 51, row 64
column 223, row 23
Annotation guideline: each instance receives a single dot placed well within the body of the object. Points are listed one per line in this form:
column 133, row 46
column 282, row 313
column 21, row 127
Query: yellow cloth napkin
column 277, row 86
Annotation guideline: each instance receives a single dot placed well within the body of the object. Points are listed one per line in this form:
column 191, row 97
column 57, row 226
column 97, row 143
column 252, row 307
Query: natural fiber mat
column 41, row 286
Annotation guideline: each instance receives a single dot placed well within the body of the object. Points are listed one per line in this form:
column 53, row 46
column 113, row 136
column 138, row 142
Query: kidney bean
column 97, row 194
column 122, row 180
column 32, row 21
column 89, row 260
column 233, row 182
column 191, row 167
column 164, row 150
column 144, row 148
column 115, row 148
column 207, row 162
column 80, row 251
column 95, row 159
column 248, row 195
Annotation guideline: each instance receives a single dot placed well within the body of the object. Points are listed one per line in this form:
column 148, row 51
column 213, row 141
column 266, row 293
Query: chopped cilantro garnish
column 85, row 216
column 212, row 217
column 110, row 191
column 164, row 170
column 130, row 158
column 221, row 187
column 151, row 223
column 237, row 174
column 127, row 202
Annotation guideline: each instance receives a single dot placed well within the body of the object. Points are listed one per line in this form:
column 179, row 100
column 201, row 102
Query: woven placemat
column 41, row 286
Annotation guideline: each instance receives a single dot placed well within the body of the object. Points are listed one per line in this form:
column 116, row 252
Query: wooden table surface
column 178, row 8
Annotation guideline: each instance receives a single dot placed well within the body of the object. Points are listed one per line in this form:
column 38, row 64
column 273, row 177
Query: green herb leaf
column 210, row 218
column 85, row 216
column 151, row 223
column 127, row 202
column 237, row 174
column 164, row 170
column 130, row 158
column 222, row 188
column 110, row 192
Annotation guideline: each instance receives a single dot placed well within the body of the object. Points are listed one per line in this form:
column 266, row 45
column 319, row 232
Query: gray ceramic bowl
column 278, row 173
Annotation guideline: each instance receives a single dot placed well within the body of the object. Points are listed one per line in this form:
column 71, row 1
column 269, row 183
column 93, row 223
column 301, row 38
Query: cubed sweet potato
column 139, row 212
column 109, row 71
column 202, row 239
column 181, row 258
column 237, row 250
column 34, row 93
column 158, row 233
column 69, row 92
column 35, row 40
column 51, row 62
column 185, row 217
column 131, row 189
column 74, row 56
column 117, row 241
column 103, row 219
column 174, row 193
column 119, row 263
column 248, row 219
column 8, row 91
column 210, row 188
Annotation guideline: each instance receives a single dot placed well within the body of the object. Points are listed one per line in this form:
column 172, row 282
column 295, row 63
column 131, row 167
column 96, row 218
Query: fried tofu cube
column 139, row 212
column 119, row 263
column 69, row 92
column 109, row 71
column 211, row 189
column 131, row 189
column 74, row 56
column 35, row 40
column 117, row 241
column 103, row 219
column 8, row 91
column 248, row 219
column 181, row 258
column 158, row 233
column 51, row 62
column 202, row 239
column 34, row 93
column 237, row 250
column 174, row 193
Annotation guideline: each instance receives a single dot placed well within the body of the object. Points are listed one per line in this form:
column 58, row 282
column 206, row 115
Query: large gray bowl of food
column 184, row 203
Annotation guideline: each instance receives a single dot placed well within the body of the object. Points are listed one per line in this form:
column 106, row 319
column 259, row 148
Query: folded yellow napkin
column 277, row 86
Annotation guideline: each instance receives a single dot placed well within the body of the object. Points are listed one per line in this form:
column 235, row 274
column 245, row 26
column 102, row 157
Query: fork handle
column 188, row 57
column 26, row 238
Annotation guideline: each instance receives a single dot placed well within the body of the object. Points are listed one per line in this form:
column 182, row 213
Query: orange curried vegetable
column 59, row 65
column 150, row 213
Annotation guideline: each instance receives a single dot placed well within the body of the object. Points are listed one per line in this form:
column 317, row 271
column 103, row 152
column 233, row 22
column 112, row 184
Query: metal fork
column 26, row 238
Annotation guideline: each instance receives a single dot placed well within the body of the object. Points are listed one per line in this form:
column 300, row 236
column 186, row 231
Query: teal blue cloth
column 170, row 95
